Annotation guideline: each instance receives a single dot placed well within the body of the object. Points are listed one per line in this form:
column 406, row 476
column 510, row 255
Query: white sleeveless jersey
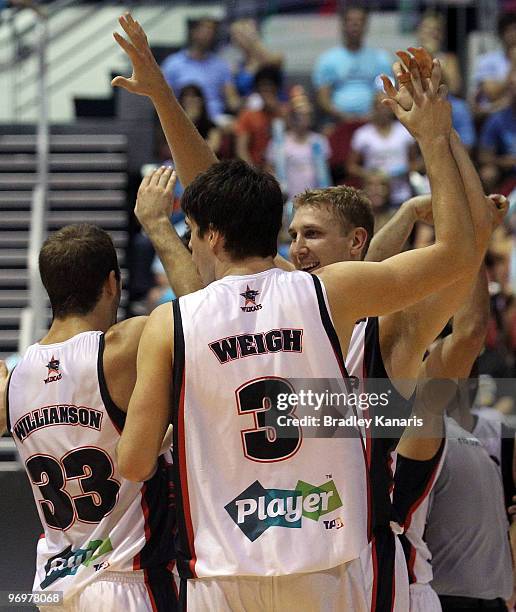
column 254, row 500
column 66, row 429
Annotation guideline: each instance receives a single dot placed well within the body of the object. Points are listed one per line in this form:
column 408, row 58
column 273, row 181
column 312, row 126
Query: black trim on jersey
column 384, row 545
column 330, row 329
column 160, row 518
column 184, row 554
column 381, row 446
column 160, row 583
column 183, row 603
column 7, row 415
column 116, row 415
column 411, row 479
column 507, row 456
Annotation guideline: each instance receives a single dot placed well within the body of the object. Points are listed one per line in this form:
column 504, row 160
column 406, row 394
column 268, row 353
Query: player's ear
column 359, row 241
column 111, row 284
column 215, row 239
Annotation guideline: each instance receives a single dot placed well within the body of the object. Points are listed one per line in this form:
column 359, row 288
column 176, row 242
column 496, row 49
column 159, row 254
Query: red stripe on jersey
column 184, row 478
column 375, row 576
column 149, row 591
column 411, row 563
column 145, row 510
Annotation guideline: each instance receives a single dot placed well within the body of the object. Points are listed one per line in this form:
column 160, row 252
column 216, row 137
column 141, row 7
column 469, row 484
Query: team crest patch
column 53, row 371
column 249, row 296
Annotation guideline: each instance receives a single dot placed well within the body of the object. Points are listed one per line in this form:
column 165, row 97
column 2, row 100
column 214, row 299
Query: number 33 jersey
column 260, row 493
column 66, row 429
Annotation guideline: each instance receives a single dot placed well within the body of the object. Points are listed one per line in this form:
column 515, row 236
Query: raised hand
column 147, row 79
column 155, row 197
column 499, row 205
column 429, row 114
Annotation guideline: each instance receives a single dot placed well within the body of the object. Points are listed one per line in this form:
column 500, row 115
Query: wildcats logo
column 256, row 509
column 53, row 371
column 249, row 296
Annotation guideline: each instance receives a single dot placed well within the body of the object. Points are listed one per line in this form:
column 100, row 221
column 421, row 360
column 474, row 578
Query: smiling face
column 318, row 238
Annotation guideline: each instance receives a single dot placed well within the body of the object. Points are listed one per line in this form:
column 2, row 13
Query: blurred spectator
column 431, row 34
column 192, row 100
column 384, row 144
column 462, row 120
column 199, row 64
column 345, row 76
column 253, row 127
column 245, row 37
column 298, row 157
column 377, row 186
column 498, row 142
column 492, row 69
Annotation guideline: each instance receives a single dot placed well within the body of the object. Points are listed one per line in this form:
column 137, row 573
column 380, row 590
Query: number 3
column 262, row 443
column 94, row 470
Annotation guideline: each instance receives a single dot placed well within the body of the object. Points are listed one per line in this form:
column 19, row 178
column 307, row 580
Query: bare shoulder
column 123, row 338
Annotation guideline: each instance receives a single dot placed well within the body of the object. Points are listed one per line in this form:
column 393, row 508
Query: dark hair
column 244, row 203
column 351, row 207
column 193, row 23
column 74, row 264
column 269, row 73
column 505, row 20
column 353, row 6
column 204, row 123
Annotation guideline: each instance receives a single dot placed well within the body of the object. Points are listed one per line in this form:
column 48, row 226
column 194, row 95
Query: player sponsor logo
column 249, row 296
column 68, row 561
column 256, row 509
column 53, row 371
column 337, row 523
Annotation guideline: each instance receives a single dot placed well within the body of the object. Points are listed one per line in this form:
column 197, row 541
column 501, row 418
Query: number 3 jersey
column 66, row 428
column 259, row 494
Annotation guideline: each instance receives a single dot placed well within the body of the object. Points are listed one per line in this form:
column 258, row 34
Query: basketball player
column 338, row 247
column 228, row 208
column 107, row 542
column 464, row 496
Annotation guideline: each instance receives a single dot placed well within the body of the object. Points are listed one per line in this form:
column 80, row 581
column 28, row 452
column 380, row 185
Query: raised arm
column 449, row 361
column 153, row 210
column 190, row 152
column 380, row 288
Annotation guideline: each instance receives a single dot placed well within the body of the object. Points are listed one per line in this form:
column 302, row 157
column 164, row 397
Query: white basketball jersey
column 66, row 429
column 255, row 500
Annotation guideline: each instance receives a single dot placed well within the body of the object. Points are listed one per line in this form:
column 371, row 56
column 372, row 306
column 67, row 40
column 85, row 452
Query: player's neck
column 64, row 329
column 251, row 265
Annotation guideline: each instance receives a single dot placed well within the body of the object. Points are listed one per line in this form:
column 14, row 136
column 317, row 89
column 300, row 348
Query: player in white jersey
column 107, row 542
column 328, row 211
column 216, row 192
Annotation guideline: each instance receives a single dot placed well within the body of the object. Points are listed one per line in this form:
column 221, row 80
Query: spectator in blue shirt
column 498, row 137
column 462, row 120
column 198, row 64
column 492, row 69
column 345, row 76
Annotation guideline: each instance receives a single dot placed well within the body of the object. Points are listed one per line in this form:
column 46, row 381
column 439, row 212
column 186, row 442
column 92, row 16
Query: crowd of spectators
column 243, row 104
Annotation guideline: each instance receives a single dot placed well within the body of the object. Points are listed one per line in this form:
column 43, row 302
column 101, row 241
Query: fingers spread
column 164, row 177
column 416, row 80
column 388, row 87
column 424, row 60
column 405, row 58
column 126, row 45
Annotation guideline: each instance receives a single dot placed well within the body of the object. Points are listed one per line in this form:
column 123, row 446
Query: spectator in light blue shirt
column 345, row 76
column 198, row 64
column 498, row 138
column 462, row 121
column 492, row 69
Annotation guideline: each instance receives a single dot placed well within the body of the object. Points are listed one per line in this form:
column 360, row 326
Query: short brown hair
column 350, row 206
column 74, row 264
